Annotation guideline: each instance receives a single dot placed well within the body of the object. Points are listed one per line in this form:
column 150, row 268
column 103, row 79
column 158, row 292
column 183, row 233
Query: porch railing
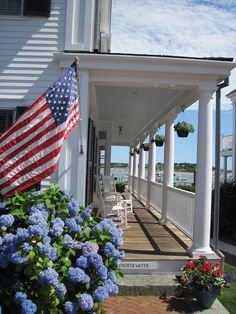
column 180, row 208
column 180, row 203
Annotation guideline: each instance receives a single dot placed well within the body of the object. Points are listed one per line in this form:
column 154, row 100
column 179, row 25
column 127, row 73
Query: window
column 25, row 7
column 6, row 119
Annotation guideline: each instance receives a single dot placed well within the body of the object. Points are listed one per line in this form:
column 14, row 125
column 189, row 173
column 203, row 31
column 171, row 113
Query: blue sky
column 196, row 28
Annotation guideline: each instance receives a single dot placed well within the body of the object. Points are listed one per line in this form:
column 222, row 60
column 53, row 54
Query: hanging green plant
column 183, row 128
column 145, row 147
column 158, row 139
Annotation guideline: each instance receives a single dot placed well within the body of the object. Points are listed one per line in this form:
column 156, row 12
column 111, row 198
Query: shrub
column 227, row 221
column 55, row 257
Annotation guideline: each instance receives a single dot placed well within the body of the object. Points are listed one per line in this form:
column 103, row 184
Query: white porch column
column 202, row 211
column 72, row 164
column 135, row 169
column 141, row 170
column 151, row 165
column 131, row 167
column 168, row 175
column 107, row 169
column 225, row 169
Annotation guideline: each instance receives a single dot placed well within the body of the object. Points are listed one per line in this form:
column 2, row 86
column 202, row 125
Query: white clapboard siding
column 27, row 63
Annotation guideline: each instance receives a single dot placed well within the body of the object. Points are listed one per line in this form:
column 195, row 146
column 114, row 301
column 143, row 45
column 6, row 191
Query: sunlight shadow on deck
column 145, row 238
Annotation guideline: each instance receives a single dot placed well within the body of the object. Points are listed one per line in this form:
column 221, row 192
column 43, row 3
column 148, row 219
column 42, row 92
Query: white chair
column 111, row 207
column 109, row 187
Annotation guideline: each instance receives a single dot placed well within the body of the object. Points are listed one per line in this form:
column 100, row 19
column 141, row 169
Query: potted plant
column 120, row 186
column 159, row 140
column 56, row 257
column 204, row 278
column 183, row 128
column 145, row 146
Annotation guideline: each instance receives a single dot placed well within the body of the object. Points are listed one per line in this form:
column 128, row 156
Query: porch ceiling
column 135, row 109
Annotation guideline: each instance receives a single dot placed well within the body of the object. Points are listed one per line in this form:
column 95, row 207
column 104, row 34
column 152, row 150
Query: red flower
column 189, row 265
column 218, row 272
column 206, row 267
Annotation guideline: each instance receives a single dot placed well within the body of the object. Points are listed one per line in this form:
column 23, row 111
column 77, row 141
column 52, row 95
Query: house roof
column 229, row 59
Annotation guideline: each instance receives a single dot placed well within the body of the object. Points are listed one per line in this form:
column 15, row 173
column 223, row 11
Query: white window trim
column 71, row 33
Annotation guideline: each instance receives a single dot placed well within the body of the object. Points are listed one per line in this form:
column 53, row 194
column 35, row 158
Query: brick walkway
column 146, row 305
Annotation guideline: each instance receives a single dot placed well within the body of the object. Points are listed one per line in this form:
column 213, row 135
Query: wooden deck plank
column 146, row 239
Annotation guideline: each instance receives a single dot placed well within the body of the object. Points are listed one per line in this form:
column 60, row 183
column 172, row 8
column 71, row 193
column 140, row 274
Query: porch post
column 151, row 165
column 202, row 211
column 141, row 169
column 107, row 165
column 168, row 175
column 131, row 165
column 72, row 166
column 135, row 170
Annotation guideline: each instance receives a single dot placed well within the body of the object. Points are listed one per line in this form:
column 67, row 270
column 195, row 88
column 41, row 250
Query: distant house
column 124, row 99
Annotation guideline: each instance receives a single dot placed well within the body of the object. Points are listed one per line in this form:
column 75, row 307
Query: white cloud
column 197, row 28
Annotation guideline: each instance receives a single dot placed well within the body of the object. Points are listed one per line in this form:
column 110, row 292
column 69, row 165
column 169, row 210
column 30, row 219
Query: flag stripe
column 27, row 120
column 36, row 149
column 29, row 169
column 33, row 180
column 30, row 142
column 34, row 133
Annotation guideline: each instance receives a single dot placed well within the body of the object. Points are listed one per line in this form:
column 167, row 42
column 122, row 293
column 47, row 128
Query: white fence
column 180, row 209
column 180, row 203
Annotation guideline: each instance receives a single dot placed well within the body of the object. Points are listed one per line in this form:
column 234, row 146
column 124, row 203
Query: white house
column 124, row 99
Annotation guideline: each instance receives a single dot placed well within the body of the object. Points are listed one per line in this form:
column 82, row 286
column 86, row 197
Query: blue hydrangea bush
column 55, row 256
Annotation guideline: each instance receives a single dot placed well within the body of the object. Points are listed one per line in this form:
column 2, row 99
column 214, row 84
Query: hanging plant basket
column 145, row 147
column 159, row 140
column 183, row 128
column 131, row 153
column 136, row 150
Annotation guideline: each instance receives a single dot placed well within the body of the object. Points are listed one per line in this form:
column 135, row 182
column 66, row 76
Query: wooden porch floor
column 146, row 239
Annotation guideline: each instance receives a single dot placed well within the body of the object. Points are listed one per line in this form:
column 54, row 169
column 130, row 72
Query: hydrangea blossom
column 17, row 258
column 73, row 207
column 77, row 275
column 85, row 302
column 95, row 260
column 89, row 247
column 49, row 276
column 60, row 289
column 22, row 234
column 28, row 307
column 86, row 212
column 70, row 307
column 100, row 294
column 68, row 241
column 82, row 262
column 20, row 297
column 38, row 230
column 72, row 225
column 102, row 272
column 48, row 251
column 6, row 220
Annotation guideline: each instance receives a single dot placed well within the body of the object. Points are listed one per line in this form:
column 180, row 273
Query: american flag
column 30, row 149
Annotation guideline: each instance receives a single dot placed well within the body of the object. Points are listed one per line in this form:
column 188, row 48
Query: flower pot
column 205, row 299
column 146, row 149
column 159, row 143
column 182, row 133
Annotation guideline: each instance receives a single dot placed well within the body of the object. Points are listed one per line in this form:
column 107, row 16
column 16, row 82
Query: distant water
column 180, row 178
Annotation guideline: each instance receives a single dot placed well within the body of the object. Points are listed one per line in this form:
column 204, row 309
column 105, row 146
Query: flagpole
column 80, row 131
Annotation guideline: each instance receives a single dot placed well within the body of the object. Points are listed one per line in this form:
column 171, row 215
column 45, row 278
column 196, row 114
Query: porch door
column 90, row 163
